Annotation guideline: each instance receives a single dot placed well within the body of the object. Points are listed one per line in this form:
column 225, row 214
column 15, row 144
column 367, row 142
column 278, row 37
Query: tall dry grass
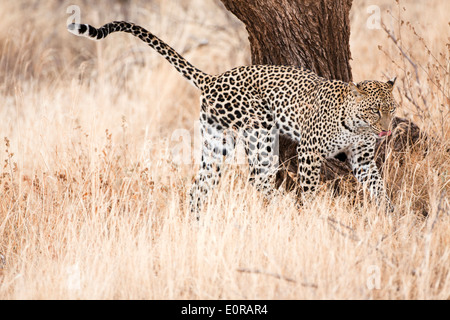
column 93, row 205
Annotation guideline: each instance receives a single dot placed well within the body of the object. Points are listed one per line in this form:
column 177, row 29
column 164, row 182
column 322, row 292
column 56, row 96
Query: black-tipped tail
column 194, row 75
column 89, row 31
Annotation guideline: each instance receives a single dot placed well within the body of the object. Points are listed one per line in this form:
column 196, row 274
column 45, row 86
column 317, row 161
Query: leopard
column 258, row 103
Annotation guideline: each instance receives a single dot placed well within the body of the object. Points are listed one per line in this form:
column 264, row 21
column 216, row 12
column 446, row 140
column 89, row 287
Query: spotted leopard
column 325, row 117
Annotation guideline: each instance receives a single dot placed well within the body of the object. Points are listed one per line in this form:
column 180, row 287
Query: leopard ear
column 392, row 82
column 357, row 92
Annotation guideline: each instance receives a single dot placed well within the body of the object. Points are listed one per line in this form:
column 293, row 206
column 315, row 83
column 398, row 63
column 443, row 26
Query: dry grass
column 92, row 205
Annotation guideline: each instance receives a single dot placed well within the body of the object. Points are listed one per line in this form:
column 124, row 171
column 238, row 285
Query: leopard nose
column 385, row 122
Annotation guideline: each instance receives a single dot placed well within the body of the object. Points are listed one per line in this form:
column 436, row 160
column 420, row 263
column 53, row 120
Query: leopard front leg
column 362, row 159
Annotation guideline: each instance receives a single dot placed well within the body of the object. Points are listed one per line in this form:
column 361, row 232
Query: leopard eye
column 376, row 110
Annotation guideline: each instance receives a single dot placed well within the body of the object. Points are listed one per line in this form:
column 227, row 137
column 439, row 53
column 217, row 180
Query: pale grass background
column 93, row 207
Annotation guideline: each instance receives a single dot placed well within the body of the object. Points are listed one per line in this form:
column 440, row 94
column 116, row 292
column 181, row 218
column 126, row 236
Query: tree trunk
column 311, row 33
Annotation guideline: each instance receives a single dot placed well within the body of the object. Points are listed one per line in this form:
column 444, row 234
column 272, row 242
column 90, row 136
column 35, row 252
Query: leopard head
column 375, row 105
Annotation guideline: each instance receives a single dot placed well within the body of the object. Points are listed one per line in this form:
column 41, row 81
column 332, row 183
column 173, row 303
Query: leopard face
column 375, row 105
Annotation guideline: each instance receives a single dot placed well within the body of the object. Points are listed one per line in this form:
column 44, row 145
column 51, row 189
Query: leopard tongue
column 384, row 133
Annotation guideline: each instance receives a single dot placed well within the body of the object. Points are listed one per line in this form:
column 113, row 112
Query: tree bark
column 311, row 33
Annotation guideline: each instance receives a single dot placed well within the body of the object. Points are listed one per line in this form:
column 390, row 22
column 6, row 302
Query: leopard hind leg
column 261, row 145
column 215, row 147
